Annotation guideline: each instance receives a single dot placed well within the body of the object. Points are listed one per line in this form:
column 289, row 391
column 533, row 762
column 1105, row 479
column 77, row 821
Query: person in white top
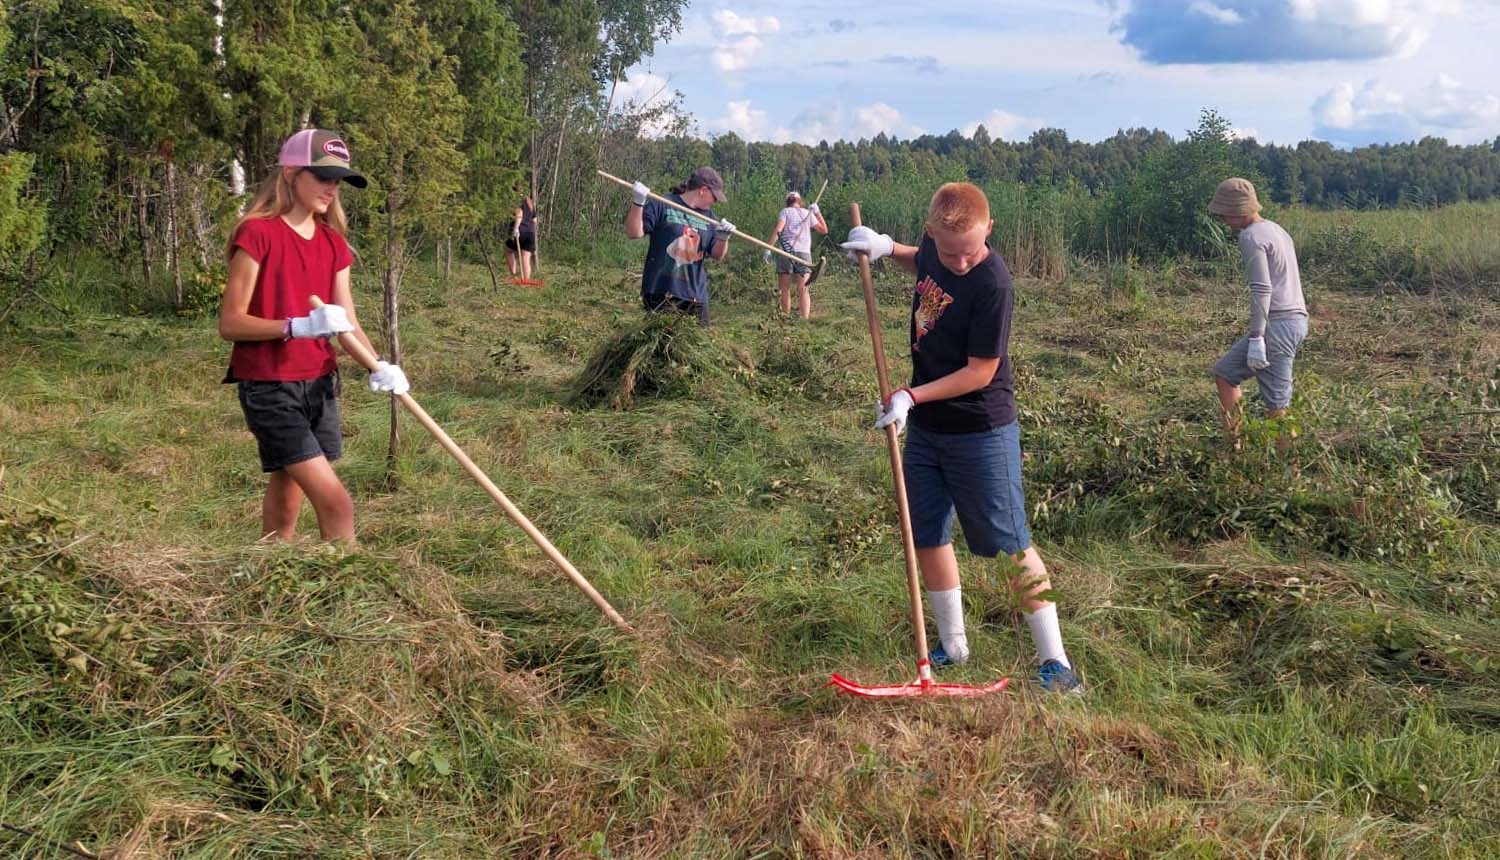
column 1278, row 313
column 793, row 234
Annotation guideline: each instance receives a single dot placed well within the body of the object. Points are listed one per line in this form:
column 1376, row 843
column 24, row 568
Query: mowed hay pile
column 659, row 355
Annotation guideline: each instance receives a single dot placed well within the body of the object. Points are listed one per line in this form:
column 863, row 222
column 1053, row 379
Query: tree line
column 134, row 127
column 1428, row 172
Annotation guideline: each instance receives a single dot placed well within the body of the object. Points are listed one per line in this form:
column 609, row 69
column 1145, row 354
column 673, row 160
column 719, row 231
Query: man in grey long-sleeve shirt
column 1278, row 313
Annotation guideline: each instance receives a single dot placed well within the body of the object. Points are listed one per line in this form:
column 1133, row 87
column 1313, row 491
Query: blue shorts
column 1284, row 336
column 977, row 475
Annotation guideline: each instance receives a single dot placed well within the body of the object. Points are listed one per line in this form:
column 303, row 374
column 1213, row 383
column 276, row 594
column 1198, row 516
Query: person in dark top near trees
column 521, row 243
column 673, row 279
column 963, row 451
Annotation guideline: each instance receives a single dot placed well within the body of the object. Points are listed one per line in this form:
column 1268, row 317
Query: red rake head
column 923, row 686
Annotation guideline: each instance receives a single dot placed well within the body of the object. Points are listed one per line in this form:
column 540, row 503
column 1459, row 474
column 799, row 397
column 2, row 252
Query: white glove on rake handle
column 389, row 377
column 864, row 239
column 324, row 321
column 896, row 409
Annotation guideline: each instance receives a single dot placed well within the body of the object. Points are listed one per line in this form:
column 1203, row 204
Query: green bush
column 1352, row 256
column 23, row 220
column 1162, row 209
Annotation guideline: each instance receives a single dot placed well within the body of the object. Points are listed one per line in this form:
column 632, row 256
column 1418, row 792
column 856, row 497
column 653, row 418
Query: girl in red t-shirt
column 287, row 248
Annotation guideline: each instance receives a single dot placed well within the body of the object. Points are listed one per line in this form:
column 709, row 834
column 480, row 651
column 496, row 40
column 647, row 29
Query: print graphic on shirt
column 933, row 301
column 684, row 249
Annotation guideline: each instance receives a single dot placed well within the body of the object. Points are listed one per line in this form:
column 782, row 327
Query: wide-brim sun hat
column 1235, row 196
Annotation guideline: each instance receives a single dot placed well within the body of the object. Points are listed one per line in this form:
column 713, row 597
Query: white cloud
column 1216, row 13
column 872, row 119
column 744, row 120
column 727, row 23
column 1248, row 31
column 1004, row 125
column 737, row 39
column 1375, row 112
column 825, row 121
column 646, row 91
column 643, row 89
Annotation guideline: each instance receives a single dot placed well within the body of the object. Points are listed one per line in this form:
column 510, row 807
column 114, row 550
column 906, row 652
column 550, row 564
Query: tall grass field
column 1292, row 651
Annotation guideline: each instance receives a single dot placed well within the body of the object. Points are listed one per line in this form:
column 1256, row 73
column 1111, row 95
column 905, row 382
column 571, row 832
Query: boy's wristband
column 908, row 394
column 286, row 330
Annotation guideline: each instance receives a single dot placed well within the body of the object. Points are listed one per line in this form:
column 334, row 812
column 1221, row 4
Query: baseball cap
column 322, row 152
column 707, row 177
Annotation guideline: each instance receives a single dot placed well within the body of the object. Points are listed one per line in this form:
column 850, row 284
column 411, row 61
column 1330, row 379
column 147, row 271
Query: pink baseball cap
column 322, row 152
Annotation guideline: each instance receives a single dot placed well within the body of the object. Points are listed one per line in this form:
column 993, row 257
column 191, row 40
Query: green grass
column 1289, row 653
column 1449, row 249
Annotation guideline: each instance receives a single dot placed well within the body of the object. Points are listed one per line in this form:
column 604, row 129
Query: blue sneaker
column 939, row 658
column 1057, row 678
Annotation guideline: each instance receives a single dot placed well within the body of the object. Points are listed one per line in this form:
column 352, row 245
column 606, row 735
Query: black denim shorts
column 293, row 421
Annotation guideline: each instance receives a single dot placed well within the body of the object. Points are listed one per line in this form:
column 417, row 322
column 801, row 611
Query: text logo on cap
column 337, row 149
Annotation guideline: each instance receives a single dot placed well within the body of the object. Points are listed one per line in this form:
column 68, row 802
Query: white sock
column 1047, row 635
column 948, row 608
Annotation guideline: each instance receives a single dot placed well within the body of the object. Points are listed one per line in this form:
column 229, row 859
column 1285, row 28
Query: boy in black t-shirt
column 963, row 453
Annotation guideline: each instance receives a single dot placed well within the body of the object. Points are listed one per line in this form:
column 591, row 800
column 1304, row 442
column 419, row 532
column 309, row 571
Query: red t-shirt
column 292, row 270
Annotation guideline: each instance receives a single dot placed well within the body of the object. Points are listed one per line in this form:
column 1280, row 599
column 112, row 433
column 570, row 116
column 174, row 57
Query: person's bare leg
column 278, row 510
column 510, row 261
column 1041, row 615
column 806, row 297
column 525, row 265
column 1230, row 405
column 784, row 283
column 330, row 500
column 1030, row 580
column 939, row 567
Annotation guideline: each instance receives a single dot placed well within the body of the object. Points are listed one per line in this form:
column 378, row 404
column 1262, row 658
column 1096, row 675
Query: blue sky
column 1347, row 71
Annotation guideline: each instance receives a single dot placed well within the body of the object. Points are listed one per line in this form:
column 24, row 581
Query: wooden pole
column 699, row 215
column 893, row 442
column 357, row 350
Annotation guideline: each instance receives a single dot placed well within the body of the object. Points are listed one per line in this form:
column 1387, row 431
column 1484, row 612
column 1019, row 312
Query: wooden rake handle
column 821, row 189
column 893, row 442
column 361, row 354
column 700, row 216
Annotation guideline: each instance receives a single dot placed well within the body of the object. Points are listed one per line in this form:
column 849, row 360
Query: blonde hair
column 275, row 198
column 957, row 207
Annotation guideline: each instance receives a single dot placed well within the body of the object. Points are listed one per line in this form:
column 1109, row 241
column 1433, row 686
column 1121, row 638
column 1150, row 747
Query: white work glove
column 895, row 410
column 813, row 209
column 388, row 377
column 864, row 239
column 639, row 192
column 766, row 255
column 326, row 321
column 1255, row 354
column 723, row 230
